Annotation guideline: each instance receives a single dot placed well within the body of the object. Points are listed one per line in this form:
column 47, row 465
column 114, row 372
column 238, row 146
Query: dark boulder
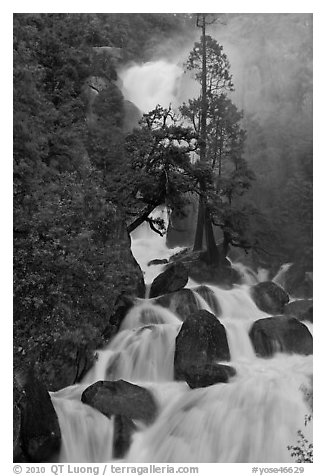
column 208, row 374
column 121, row 398
column 183, row 302
column 175, row 277
column 208, row 295
column 280, row 334
column 302, row 309
column 202, row 270
column 269, row 297
column 126, row 402
column 37, row 436
column 124, row 428
column 201, row 340
column 298, row 281
column 157, row 261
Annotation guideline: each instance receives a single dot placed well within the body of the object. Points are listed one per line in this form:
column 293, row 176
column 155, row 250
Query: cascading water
column 157, row 83
column 252, row 418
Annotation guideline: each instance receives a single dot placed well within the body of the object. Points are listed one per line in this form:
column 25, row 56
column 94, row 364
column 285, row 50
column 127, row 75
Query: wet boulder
column 302, row 309
column 37, row 436
column 201, row 340
column 269, row 297
column 280, row 334
column 183, row 302
column 127, row 403
column 173, row 278
column 201, row 269
column 208, row 374
column 124, row 428
column 121, row 398
column 298, row 281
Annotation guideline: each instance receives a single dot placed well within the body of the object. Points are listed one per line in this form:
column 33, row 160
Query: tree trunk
column 198, row 244
column 213, row 253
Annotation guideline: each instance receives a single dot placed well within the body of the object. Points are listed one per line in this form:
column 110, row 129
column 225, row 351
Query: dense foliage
column 302, row 452
column 70, row 193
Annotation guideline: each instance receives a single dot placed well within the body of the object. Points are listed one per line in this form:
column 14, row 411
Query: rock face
column 37, row 436
column 126, row 402
column 269, row 297
column 174, row 278
column 201, row 340
column 280, row 334
column 183, row 302
column 208, row 374
column 121, row 398
column 302, row 309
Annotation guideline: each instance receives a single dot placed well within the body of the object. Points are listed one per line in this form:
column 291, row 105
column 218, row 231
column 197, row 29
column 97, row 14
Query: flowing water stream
column 252, row 418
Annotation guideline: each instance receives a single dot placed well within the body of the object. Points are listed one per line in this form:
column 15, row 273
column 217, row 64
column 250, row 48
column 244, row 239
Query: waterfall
column 157, row 83
column 252, row 418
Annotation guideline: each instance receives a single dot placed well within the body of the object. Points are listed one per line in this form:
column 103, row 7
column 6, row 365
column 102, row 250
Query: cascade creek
column 252, row 418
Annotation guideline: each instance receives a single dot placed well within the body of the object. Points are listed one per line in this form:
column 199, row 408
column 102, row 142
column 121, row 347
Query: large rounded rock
column 269, row 297
column 208, row 374
column 298, row 281
column 183, row 303
column 121, row 398
column 201, row 269
column 280, row 334
column 126, row 402
column 37, row 432
column 174, row 278
column 201, row 340
column 302, row 309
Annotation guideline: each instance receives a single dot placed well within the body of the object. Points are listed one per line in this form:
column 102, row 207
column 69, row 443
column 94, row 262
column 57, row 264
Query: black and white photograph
column 162, row 240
